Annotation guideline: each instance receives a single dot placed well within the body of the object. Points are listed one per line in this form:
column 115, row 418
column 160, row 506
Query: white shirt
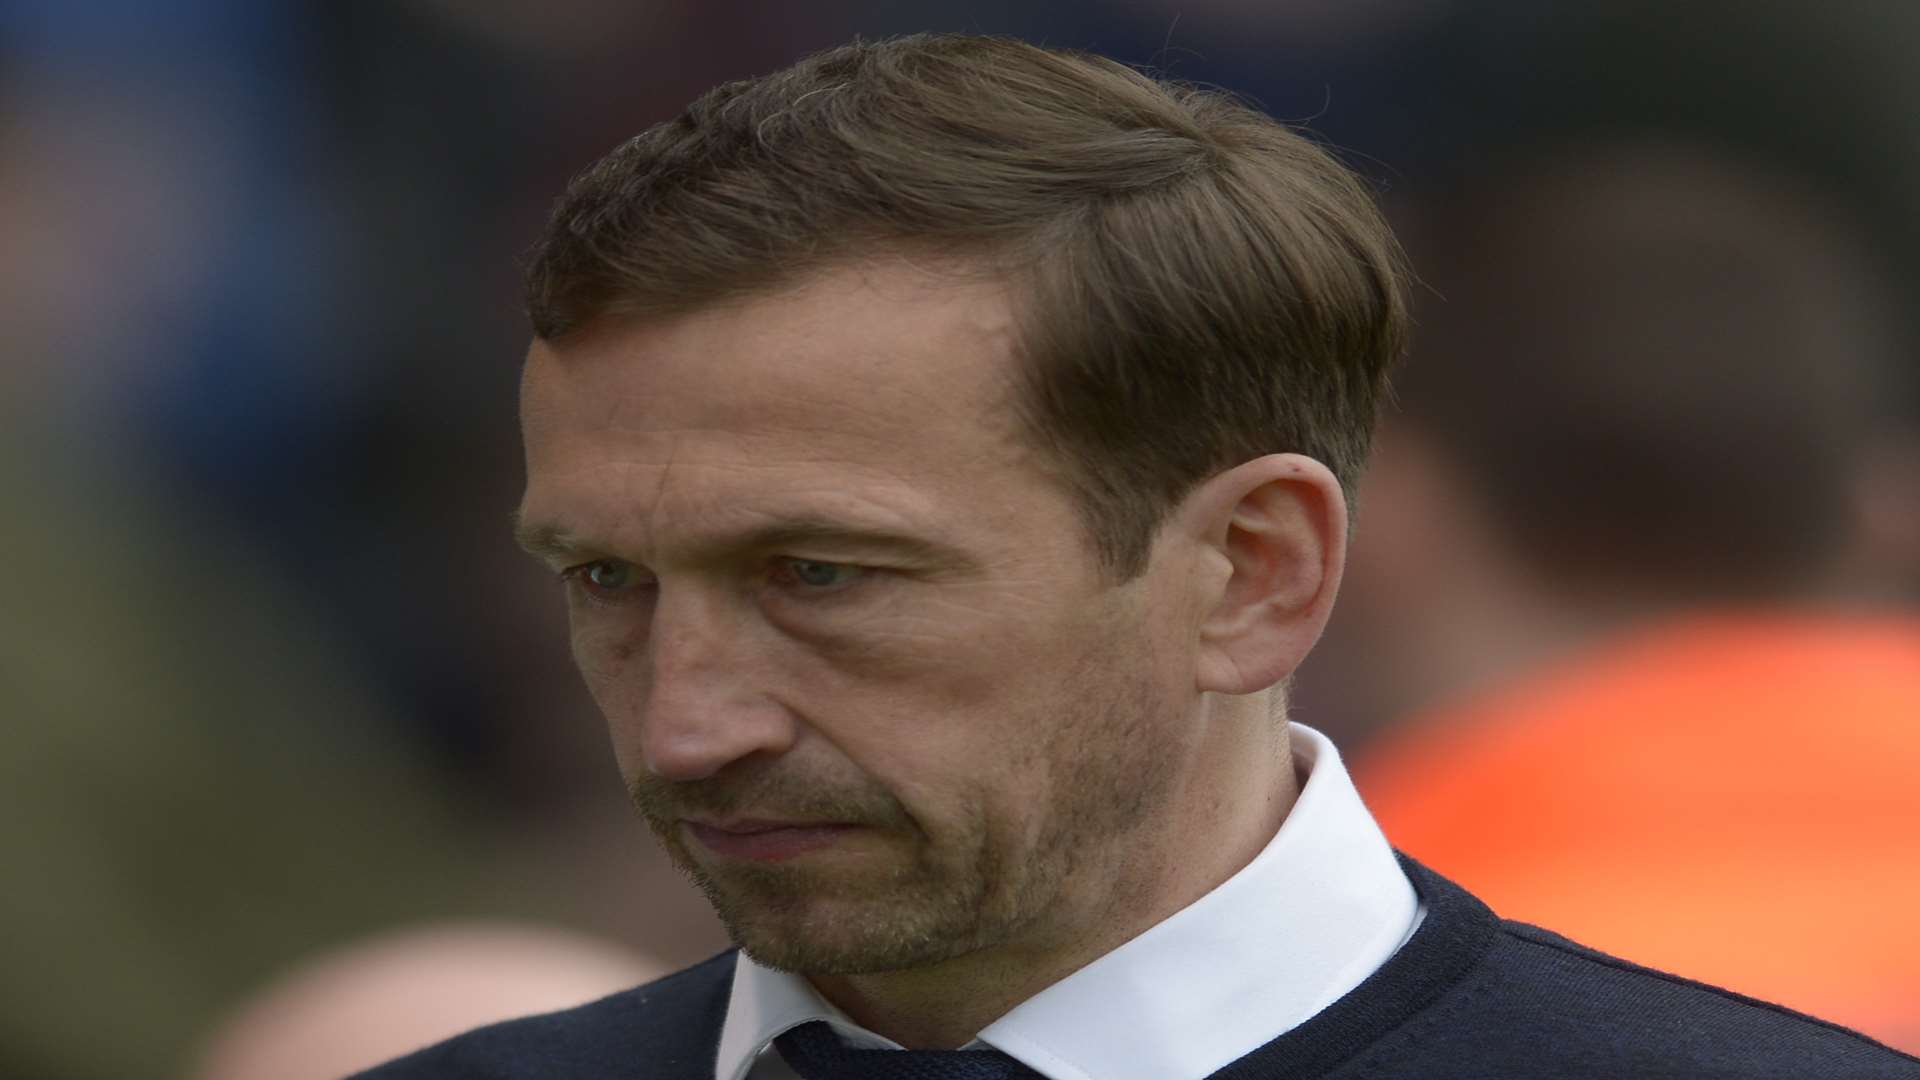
column 1320, row 908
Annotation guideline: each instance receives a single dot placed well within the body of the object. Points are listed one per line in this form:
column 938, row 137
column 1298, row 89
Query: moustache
column 770, row 796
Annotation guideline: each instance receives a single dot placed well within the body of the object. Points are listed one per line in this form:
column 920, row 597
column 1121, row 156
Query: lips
column 766, row 841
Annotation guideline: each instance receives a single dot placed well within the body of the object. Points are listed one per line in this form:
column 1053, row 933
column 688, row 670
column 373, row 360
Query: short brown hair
column 1204, row 285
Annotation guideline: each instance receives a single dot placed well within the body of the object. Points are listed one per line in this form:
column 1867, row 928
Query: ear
column 1274, row 533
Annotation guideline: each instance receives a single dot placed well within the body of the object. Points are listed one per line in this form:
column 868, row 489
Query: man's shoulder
column 1470, row 995
column 1542, row 1002
column 666, row 1028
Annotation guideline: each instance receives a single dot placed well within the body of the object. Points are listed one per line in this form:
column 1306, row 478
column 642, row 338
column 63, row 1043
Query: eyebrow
column 555, row 543
column 544, row 541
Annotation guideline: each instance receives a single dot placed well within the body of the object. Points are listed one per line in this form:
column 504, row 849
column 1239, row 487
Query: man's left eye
column 814, row 574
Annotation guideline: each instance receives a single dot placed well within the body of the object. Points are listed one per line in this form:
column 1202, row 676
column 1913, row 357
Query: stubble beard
column 840, row 920
column 969, row 885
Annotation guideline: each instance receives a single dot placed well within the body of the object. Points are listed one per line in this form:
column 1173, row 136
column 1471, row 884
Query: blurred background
column 294, row 771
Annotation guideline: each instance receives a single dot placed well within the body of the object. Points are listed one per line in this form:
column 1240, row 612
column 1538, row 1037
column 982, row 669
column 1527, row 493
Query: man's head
column 943, row 441
column 1198, row 285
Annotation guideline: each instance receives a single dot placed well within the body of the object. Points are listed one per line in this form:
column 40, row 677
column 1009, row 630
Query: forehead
column 879, row 388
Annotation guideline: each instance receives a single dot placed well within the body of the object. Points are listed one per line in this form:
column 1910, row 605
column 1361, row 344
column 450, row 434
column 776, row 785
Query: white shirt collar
column 1316, row 912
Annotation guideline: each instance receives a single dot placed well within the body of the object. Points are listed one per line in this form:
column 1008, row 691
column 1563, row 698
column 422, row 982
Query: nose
column 705, row 705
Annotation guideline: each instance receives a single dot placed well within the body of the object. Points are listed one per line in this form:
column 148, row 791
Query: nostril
column 695, row 738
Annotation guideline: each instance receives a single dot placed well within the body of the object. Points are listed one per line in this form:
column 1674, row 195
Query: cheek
column 956, row 728
column 609, row 663
column 930, row 667
column 965, row 641
column 602, row 652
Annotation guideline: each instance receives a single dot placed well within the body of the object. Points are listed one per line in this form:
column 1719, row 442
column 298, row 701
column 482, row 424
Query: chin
column 826, row 955
column 841, row 936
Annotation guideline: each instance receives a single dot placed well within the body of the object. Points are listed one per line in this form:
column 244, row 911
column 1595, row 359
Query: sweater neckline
column 1456, row 934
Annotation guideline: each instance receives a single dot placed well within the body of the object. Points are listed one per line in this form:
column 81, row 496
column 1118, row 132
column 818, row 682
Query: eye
column 605, row 580
column 815, row 575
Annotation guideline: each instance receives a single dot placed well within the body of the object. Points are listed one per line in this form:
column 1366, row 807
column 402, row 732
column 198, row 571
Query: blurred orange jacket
column 1732, row 799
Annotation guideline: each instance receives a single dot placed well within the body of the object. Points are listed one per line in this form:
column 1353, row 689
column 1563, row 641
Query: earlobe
column 1280, row 523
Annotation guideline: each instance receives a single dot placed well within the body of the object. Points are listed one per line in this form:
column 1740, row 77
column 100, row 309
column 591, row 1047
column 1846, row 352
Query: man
column 946, row 447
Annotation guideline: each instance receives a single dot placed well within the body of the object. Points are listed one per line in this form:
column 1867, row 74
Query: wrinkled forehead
column 874, row 349
column 868, row 381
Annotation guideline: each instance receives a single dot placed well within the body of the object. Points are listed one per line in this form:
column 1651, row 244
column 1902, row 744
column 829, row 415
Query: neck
column 1235, row 799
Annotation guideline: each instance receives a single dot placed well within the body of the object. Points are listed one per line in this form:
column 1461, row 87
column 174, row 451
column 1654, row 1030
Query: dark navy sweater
column 1468, row 997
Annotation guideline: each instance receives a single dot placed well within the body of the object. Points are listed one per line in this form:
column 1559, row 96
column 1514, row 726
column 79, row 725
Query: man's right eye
column 605, row 580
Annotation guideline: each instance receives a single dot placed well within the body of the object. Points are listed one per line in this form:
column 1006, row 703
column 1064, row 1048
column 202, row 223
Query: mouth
column 766, row 841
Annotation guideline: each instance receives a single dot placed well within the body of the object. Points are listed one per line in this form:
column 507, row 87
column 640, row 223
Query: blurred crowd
column 1630, row 643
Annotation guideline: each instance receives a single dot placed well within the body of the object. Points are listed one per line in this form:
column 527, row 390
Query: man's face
column 863, row 676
